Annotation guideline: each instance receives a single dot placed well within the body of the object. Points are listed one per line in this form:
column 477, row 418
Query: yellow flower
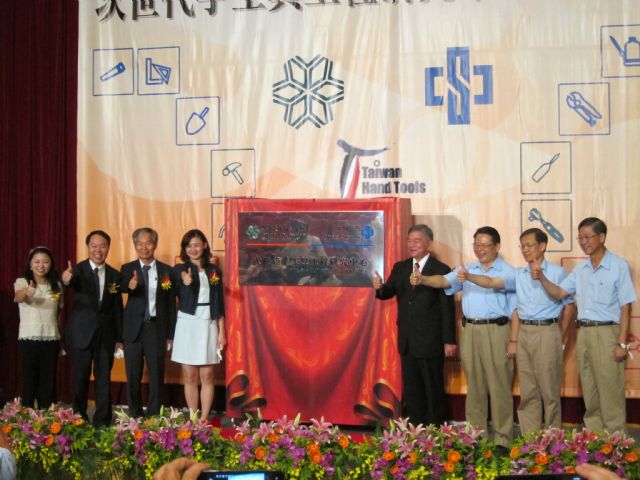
column 165, row 283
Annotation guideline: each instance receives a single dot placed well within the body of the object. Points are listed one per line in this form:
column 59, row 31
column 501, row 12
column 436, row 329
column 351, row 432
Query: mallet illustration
column 232, row 169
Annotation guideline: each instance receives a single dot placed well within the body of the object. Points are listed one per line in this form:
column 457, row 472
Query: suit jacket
column 426, row 316
column 90, row 316
column 188, row 294
column 134, row 310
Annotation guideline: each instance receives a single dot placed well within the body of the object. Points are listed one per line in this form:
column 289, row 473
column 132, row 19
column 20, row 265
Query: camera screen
column 240, row 476
column 260, row 475
column 545, row 476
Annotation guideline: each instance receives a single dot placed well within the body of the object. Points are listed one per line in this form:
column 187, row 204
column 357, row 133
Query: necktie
column 145, row 277
column 416, row 269
column 96, row 277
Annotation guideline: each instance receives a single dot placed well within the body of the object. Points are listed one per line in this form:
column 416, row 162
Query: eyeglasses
column 586, row 238
column 524, row 247
column 482, row 245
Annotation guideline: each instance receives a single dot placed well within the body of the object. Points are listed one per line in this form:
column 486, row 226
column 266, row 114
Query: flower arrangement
column 147, row 444
column 304, row 452
column 559, row 451
column 56, row 443
column 48, row 442
column 405, row 451
column 165, row 282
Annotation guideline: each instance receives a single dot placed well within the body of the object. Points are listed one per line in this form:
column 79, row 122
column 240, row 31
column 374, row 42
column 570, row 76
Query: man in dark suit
column 149, row 321
column 95, row 325
column 426, row 328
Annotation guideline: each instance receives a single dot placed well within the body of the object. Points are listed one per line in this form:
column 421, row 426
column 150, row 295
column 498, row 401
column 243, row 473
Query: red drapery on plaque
column 317, row 351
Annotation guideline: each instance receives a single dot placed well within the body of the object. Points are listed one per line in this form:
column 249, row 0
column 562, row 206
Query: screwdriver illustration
column 544, row 168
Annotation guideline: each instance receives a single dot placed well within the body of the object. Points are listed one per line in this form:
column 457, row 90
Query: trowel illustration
column 630, row 53
column 196, row 121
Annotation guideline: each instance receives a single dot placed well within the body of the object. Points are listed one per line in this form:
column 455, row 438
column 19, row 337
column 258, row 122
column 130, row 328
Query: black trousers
column 423, row 392
column 39, row 359
column 146, row 347
column 100, row 356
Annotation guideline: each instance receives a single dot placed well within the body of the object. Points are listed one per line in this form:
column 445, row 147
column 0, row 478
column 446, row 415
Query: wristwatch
column 624, row 346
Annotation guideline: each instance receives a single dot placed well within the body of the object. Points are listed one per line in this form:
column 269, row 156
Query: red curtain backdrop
column 317, row 351
column 38, row 90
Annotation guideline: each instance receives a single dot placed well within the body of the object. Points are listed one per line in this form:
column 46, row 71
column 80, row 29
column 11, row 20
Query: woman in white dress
column 39, row 297
column 199, row 335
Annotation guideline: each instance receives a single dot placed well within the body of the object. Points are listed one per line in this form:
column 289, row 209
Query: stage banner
column 321, row 349
column 508, row 113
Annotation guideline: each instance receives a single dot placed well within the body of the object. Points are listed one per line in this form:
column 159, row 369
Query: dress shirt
column 152, row 287
column 8, row 468
column 532, row 300
column 479, row 302
column 422, row 262
column 100, row 276
column 601, row 293
column 203, row 293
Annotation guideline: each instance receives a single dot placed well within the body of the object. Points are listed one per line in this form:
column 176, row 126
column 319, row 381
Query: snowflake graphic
column 308, row 91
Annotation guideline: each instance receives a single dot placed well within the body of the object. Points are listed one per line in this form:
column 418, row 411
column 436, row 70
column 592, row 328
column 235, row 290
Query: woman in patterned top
column 39, row 297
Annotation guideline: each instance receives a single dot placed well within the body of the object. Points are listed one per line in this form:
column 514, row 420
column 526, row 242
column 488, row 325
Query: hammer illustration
column 232, row 169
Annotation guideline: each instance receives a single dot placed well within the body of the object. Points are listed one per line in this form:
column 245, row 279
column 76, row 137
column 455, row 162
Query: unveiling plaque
column 310, row 248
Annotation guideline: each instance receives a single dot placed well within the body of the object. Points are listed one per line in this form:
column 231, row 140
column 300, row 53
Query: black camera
column 542, row 476
column 237, row 475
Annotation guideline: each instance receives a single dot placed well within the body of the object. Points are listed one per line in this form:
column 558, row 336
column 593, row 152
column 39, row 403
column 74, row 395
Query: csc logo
column 458, row 86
